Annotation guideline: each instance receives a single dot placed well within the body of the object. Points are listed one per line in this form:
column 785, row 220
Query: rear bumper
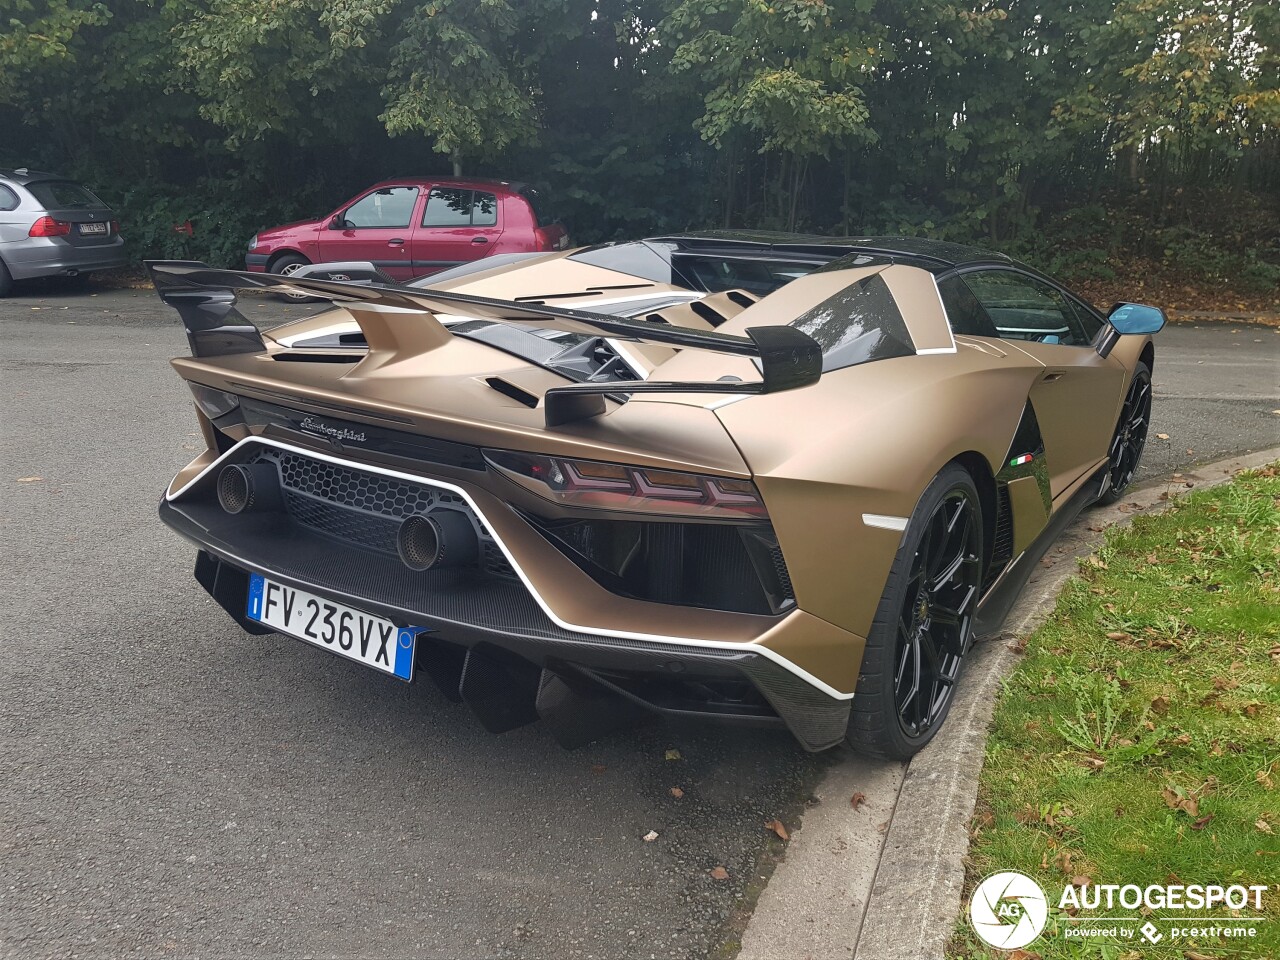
column 52, row 257
column 472, row 616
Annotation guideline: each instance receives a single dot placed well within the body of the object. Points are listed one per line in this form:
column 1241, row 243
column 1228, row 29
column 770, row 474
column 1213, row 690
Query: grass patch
column 1139, row 739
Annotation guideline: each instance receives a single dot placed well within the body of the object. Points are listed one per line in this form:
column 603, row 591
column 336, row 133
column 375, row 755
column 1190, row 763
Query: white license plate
column 93, row 228
column 374, row 641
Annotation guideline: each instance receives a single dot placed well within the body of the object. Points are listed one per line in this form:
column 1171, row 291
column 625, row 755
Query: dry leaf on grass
column 1081, row 880
column 1264, row 777
column 777, row 827
column 1202, row 822
column 857, row 800
column 719, row 873
column 1024, row 955
column 1263, row 826
column 677, row 792
column 1174, row 801
column 651, row 836
column 1160, row 706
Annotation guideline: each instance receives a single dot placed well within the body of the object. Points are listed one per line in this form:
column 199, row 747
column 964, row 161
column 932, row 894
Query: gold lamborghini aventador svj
column 761, row 479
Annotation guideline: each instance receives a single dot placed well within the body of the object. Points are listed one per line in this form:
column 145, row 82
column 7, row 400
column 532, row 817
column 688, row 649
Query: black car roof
column 934, row 255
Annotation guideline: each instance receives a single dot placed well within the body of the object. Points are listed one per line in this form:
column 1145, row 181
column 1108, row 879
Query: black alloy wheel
column 935, row 623
column 924, row 623
column 1131, row 435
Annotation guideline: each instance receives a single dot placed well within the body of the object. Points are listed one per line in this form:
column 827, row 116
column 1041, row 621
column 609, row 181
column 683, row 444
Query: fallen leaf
column 1118, row 635
column 1162, row 436
column 30, row 479
column 1024, row 955
column 1264, row 777
column 857, row 800
column 1263, row 826
column 598, row 768
column 1080, row 880
column 677, row 792
column 1096, row 561
column 1160, row 706
column 719, row 873
column 673, row 755
column 1175, row 801
column 651, row 836
column 777, row 827
column 1202, row 822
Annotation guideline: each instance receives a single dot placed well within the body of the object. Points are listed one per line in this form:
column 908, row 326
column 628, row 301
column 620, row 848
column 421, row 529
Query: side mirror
column 1136, row 318
column 338, row 222
column 1128, row 319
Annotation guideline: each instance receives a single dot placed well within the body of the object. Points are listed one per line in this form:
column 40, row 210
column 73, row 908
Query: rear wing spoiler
column 398, row 321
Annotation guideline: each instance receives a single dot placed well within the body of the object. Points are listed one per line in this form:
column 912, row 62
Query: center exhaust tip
column 441, row 538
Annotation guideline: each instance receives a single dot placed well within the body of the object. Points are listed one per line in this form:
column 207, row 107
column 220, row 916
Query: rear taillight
column 49, row 227
column 115, row 228
column 616, row 486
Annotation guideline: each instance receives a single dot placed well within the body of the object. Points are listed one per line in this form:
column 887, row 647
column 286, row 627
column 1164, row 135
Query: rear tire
column 1130, row 437
column 6, row 280
column 287, row 264
column 924, row 624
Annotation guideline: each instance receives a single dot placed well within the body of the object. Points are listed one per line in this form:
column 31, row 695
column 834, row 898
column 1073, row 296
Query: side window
column 455, row 207
column 390, row 207
column 964, row 312
column 447, row 207
column 1024, row 308
column 8, row 199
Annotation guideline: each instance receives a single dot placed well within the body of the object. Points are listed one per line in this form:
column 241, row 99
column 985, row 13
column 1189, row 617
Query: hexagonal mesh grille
column 366, row 508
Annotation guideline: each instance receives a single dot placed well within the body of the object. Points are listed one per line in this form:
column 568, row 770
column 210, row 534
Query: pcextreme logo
column 1008, row 910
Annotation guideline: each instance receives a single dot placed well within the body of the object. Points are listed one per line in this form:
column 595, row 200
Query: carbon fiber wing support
column 205, row 299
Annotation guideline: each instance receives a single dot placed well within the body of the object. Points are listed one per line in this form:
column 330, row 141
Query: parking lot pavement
column 172, row 787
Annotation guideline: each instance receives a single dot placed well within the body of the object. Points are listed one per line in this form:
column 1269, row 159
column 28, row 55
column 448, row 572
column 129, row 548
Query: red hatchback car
column 413, row 227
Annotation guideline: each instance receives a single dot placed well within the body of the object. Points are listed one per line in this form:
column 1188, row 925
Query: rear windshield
column 542, row 211
column 63, row 195
column 859, row 324
column 760, row 275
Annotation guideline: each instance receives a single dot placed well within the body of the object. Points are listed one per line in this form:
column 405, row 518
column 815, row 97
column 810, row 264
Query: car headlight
column 213, row 403
column 253, row 242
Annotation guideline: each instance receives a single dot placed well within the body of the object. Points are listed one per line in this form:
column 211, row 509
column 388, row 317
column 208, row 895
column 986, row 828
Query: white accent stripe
column 945, row 319
column 886, row 522
column 564, row 624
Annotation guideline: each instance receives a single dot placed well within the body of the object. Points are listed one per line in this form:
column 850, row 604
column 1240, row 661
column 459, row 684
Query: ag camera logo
column 1008, row 910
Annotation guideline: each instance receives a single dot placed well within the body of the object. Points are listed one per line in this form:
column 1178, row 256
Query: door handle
column 479, row 239
column 395, row 242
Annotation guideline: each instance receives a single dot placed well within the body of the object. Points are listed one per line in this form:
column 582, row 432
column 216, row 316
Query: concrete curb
column 855, row 886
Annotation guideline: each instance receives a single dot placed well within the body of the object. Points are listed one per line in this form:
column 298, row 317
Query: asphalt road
column 172, row 787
